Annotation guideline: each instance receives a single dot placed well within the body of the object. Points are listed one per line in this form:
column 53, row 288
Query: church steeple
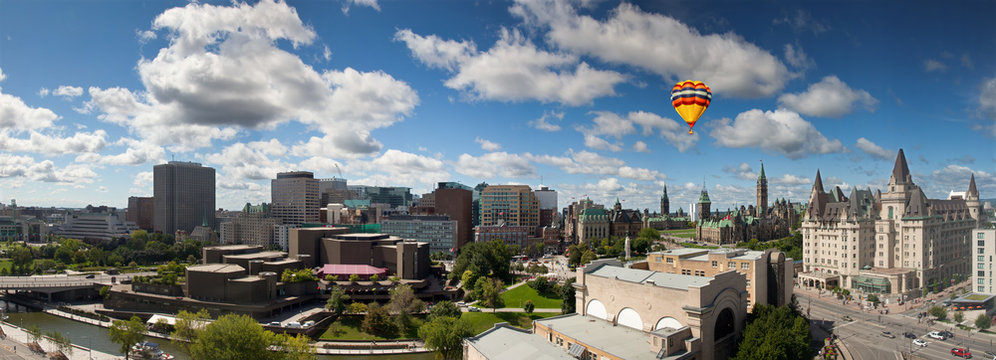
column 762, row 193
column 665, row 203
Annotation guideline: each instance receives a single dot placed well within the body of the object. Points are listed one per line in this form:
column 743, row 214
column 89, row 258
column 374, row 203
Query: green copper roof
column 594, row 211
column 762, row 177
column 704, row 198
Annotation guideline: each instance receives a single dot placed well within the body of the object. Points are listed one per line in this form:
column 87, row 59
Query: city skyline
column 572, row 95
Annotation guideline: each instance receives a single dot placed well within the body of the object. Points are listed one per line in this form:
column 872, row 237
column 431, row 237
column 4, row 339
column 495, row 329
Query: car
column 461, row 303
column 846, row 318
column 947, row 334
column 294, row 325
column 936, row 335
column 991, row 354
column 91, row 276
column 274, row 323
column 961, row 352
column 474, row 309
column 909, row 335
column 888, row 335
column 919, row 342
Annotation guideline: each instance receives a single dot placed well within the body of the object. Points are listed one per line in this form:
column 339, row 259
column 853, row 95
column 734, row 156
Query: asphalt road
column 863, row 338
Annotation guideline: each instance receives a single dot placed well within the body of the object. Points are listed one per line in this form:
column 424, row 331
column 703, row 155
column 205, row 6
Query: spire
column 900, row 172
column 972, row 190
column 762, row 177
column 665, row 190
column 818, row 183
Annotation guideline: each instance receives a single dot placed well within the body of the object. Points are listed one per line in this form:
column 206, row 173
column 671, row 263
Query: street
column 863, row 336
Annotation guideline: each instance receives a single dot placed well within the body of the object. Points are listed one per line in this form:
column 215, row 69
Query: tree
column 872, row 298
column 774, row 333
column 104, row 291
column 568, row 295
column 234, row 337
column 540, row 284
column 939, row 312
column 337, row 300
column 444, row 308
column 444, row 335
column 357, row 308
column 378, row 322
column 298, row 347
column 574, row 255
column 404, row 303
column 354, row 278
column 983, row 322
column 62, row 342
column 34, row 333
column 187, row 327
column 528, row 307
column 492, row 259
column 491, row 294
column 588, row 257
column 374, row 277
column 127, row 333
column 649, row 233
column 959, row 317
column 331, row 278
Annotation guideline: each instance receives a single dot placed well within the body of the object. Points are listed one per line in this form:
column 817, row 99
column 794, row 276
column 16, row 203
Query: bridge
column 50, row 284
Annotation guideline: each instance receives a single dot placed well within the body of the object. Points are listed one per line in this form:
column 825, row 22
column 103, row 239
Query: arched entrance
column 597, row 309
column 725, row 324
column 628, row 317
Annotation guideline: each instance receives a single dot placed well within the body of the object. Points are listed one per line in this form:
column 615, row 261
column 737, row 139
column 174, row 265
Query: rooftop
column 620, row 341
column 234, row 247
column 673, row 281
column 505, row 342
column 217, row 268
column 258, row 255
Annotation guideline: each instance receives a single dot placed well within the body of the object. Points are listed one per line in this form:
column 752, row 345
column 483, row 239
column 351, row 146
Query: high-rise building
column 332, row 191
column 511, row 205
column 437, row 230
column 294, row 197
column 455, row 202
column 183, row 196
column 896, row 242
column 984, row 240
column 476, row 203
column 547, row 198
column 140, row 210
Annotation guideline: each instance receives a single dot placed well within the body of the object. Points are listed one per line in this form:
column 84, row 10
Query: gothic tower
column 665, row 203
column 762, row 193
column 704, row 203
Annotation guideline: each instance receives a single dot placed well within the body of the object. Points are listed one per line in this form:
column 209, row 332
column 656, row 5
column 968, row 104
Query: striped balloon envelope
column 690, row 100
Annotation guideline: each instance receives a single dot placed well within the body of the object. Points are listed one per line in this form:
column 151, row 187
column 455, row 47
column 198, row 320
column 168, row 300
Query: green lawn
column 481, row 321
column 518, row 296
column 350, row 328
column 682, row 233
column 5, row 264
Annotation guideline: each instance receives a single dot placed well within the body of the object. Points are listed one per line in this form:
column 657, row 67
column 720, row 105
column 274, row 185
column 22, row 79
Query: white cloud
column 145, row 35
column 223, row 70
column 872, row 149
column 640, row 146
column 789, row 179
column 395, row 166
column 496, row 164
column 798, row 58
column 16, row 115
column 543, row 123
column 142, row 183
column 136, row 153
column 742, row 171
column 240, row 161
column 487, row 145
column 514, row 69
column 80, row 142
column 68, row 92
column 987, row 102
column 661, row 44
column 956, row 178
column 780, row 131
column 346, row 4
column 934, row 65
column 615, row 125
column 828, row 98
column 45, row 171
column 598, row 143
column 803, row 21
column 586, row 162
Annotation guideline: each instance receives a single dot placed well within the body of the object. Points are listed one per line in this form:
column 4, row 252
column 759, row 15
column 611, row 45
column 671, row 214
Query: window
column 981, row 281
column 981, row 288
column 748, row 282
column 982, row 250
column 731, row 265
column 981, row 258
column 716, row 263
column 982, row 242
column 746, row 265
column 670, row 260
column 982, row 273
column 980, row 235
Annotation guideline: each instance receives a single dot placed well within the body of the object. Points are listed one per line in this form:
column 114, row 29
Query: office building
column 316, row 247
column 140, row 211
column 183, row 196
column 512, row 205
column 437, row 230
column 982, row 265
column 294, row 197
column 455, row 200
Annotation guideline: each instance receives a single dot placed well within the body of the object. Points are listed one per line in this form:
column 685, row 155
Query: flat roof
column 358, row 269
column 621, row 341
column 681, row 252
column 661, row 279
column 248, row 279
column 233, row 247
column 504, row 342
column 281, row 262
column 257, row 255
column 217, row 268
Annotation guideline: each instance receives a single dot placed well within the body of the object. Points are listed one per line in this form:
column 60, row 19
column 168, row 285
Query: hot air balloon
column 690, row 99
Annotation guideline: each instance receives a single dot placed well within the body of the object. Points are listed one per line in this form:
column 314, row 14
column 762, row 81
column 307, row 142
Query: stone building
column 895, row 242
column 757, row 221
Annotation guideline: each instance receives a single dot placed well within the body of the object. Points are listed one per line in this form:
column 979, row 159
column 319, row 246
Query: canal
column 95, row 337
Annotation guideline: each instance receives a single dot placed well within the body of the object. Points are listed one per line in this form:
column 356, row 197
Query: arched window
column 667, row 322
column 628, row 317
column 597, row 309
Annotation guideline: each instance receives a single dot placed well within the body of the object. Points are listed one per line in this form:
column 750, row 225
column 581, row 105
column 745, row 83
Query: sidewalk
column 16, row 338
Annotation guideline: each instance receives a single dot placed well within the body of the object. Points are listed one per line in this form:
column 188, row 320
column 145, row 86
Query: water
column 95, row 337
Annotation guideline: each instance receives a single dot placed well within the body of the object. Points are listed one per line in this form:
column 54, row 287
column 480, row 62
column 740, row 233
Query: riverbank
column 19, row 336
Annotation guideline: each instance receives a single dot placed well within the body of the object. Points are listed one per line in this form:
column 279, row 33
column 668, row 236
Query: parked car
column 947, row 334
column 909, row 335
column 274, row 323
column 961, row 352
column 888, row 335
column 294, row 324
column 936, row 335
column 919, row 342
column 846, row 318
column 474, row 309
column 91, row 276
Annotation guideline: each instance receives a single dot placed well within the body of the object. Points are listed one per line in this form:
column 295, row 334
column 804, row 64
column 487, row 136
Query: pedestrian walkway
column 17, row 338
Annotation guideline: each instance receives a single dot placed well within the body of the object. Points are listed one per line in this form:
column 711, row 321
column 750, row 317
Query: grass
column 5, row 264
column 682, row 233
column 350, row 328
column 481, row 321
column 696, row 246
column 976, row 297
column 518, row 296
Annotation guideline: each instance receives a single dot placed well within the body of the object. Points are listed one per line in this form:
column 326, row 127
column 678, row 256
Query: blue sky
column 570, row 94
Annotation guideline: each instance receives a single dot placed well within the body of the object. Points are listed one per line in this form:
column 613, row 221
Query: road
column 59, row 281
column 863, row 338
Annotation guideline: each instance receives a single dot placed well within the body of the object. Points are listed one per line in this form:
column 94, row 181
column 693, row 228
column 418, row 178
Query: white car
column 936, row 335
column 919, row 342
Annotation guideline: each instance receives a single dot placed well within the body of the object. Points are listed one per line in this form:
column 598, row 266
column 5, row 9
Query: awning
column 576, row 350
